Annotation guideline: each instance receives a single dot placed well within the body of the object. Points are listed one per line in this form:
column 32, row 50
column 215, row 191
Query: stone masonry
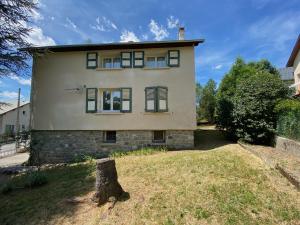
column 68, row 146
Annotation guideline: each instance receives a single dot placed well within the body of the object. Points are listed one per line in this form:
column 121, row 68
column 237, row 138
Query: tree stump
column 107, row 184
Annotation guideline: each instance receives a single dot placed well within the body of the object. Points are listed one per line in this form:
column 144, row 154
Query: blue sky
column 252, row 29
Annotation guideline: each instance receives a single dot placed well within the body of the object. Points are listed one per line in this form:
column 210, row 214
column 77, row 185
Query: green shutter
column 126, row 59
column 150, row 99
column 91, row 100
column 126, row 100
column 172, row 58
column 90, row 59
column 138, row 59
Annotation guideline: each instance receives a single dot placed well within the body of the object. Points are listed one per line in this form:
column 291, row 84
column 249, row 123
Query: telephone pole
column 18, row 121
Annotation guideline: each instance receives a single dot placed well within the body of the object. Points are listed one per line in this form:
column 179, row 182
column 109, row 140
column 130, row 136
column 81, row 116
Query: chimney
column 181, row 33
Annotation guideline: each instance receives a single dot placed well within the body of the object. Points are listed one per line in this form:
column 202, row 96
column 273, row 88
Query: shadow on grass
column 210, row 139
column 40, row 205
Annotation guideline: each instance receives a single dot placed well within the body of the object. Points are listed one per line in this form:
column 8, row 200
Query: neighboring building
column 294, row 62
column 97, row 98
column 8, row 120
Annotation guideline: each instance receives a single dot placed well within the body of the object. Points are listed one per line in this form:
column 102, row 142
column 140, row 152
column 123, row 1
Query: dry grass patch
column 226, row 185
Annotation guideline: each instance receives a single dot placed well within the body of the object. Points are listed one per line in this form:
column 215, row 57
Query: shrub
column 35, row 179
column 254, row 102
column 6, row 188
column 288, row 123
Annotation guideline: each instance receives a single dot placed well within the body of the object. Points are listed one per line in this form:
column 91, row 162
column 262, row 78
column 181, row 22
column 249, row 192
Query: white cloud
column 9, row 94
column 172, row 22
column 21, row 80
column 37, row 38
column 52, row 18
column 104, row 24
column 159, row 31
column 218, row 67
column 145, row 37
column 276, row 31
column 128, row 36
column 70, row 24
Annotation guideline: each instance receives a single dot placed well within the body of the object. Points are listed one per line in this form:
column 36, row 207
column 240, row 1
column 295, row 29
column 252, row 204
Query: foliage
column 199, row 91
column 208, row 102
column 15, row 14
column 6, row 188
column 253, row 106
column 288, row 114
column 228, row 87
column 142, row 151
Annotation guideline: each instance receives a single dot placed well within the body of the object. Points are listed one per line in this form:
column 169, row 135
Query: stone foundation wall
column 67, row 146
column 288, row 145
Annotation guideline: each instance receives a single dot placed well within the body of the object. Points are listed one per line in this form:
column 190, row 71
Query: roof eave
column 294, row 53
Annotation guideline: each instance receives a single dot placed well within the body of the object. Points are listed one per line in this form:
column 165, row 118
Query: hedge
column 288, row 119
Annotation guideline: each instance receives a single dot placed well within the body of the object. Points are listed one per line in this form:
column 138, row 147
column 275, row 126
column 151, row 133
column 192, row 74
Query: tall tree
column 208, row 101
column 14, row 16
column 199, row 91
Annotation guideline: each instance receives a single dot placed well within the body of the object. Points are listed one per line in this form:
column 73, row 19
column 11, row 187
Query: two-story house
column 294, row 62
column 91, row 99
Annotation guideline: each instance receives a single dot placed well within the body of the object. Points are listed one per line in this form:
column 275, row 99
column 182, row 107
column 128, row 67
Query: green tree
column 208, row 102
column 253, row 106
column 228, row 86
column 199, row 91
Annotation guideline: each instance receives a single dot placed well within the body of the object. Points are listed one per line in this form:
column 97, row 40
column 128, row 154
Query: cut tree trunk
column 107, row 184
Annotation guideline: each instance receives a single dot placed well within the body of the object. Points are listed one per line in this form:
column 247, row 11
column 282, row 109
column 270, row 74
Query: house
column 8, row 120
column 294, row 62
column 92, row 99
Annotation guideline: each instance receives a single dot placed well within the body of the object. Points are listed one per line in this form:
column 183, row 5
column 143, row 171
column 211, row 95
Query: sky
column 252, row 29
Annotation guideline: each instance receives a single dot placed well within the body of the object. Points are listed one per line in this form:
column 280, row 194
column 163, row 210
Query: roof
column 14, row 109
column 294, row 53
column 117, row 45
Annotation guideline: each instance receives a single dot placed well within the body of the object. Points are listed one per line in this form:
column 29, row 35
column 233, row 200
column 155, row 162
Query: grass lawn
column 224, row 185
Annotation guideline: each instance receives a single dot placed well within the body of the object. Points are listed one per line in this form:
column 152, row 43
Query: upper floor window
column 126, row 59
column 156, row 62
column 114, row 62
column 173, row 58
column 92, row 60
column 156, row 99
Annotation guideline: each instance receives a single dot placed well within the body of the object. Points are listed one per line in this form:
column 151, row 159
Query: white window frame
column 111, row 99
column 112, row 58
column 156, row 64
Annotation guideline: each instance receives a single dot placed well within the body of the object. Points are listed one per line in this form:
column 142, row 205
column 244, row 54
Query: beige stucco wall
column 297, row 71
column 55, row 108
column 10, row 118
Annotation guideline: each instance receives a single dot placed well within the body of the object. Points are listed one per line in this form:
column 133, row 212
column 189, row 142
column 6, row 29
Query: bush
column 254, row 102
column 288, row 123
column 35, row 179
column 6, row 188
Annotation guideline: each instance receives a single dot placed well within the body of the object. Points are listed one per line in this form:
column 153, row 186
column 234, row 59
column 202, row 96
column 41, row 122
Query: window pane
column 91, row 63
column 150, row 62
column 125, row 94
column 110, row 136
column 138, row 54
column 159, row 136
column 116, row 100
column 91, row 105
column 162, row 93
column 162, row 104
column 117, row 63
column 174, row 54
column 161, row 62
column 150, row 93
column 106, row 100
column 107, row 63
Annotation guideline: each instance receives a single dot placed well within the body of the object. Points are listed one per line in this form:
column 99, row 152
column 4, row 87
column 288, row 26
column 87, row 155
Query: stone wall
column 67, row 146
column 288, row 145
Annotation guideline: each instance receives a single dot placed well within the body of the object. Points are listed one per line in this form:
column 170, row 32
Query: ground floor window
column 159, row 136
column 110, row 136
column 111, row 100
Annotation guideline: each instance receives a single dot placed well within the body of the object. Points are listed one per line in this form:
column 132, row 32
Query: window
column 112, row 62
column 159, row 136
column 173, row 58
column 91, row 100
column 91, row 60
column 110, row 136
column 23, row 127
column 156, row 62
column 24, row 112
column 111, row 100
column 156, row 99
column 125, row 59
column 138, row 59
column 126, row 96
